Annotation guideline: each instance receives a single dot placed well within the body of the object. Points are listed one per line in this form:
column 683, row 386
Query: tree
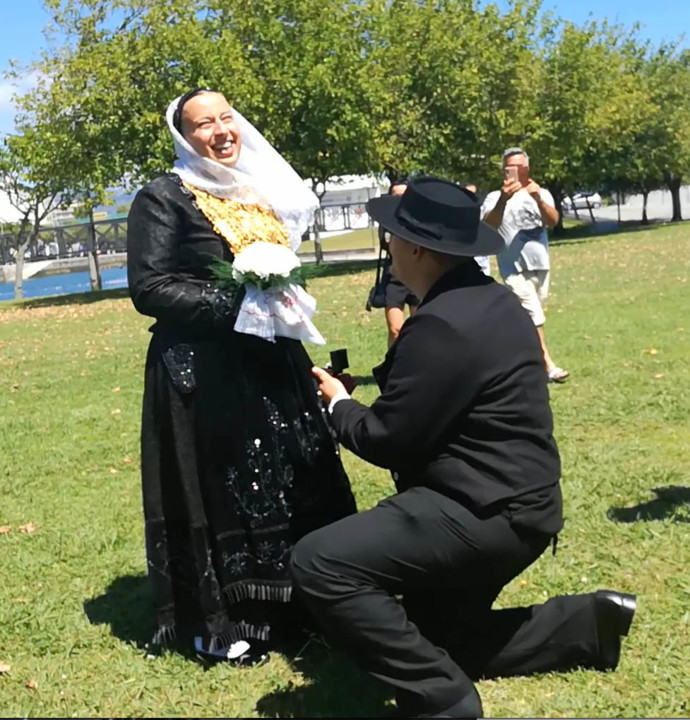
column 29, row 192
column 588, row 106
column 79, row 137
column 668, row 77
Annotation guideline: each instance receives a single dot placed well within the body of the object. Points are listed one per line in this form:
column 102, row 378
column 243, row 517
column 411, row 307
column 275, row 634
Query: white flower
column 265, row 260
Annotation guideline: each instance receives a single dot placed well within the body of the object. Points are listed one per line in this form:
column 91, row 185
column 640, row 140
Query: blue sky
column 22, row 21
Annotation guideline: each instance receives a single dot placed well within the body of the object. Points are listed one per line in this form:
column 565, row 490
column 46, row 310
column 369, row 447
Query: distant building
column 60, row 216
column 344, row 200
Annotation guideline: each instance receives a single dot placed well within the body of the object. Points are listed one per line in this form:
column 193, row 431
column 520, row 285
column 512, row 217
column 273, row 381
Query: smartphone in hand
column 511, row 173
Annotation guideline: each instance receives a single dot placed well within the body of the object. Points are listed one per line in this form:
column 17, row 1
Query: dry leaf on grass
column 127, row 460
column 4, row 668
column 32, row 684
column 28, row 528
column 4, row 529
column 651, row 351
column 113, row 471
column 117, row 411
column 658, row 376
column 116, row 390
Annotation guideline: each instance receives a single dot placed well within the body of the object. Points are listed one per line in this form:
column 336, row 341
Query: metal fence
column 352, row 216
column 69, row 241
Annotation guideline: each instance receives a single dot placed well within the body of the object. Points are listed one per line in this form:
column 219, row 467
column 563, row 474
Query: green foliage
column 357, row 86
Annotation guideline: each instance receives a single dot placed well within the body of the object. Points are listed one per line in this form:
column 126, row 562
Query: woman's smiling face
column 210, row 128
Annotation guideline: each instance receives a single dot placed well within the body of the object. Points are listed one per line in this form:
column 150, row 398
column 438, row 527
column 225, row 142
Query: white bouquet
column 266, row 265
column 275, row 303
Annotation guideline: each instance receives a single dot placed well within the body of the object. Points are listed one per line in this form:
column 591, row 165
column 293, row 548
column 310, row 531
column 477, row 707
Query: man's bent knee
column 311, row 563
column 302, row 559
column 318, row 568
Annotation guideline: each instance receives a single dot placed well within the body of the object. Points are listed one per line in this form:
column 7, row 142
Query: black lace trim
column 224, row 304
column 179, row 360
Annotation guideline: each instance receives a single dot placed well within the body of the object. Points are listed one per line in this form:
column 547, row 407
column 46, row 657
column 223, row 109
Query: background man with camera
column 522, row 211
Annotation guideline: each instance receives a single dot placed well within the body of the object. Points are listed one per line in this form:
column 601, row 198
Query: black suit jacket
column 464, row 405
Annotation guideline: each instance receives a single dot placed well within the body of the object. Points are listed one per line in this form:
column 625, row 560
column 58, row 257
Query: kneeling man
column 464, row 424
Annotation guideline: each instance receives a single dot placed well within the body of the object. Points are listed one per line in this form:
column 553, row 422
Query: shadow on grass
column 83, row 298
column 604, row 229
column 127, row 607
column 334, row 687
column 667, row 504
column 363, row 380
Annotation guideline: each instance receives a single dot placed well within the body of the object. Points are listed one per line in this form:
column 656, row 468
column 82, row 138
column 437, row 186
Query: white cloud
column 8, row 89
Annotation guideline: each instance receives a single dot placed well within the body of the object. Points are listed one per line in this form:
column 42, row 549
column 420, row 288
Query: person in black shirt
column 397, row 295
column 464, row 424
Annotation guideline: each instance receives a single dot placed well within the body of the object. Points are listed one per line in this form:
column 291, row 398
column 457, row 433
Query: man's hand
column 329, row 386
column 549, row 214
column 533, row 189
column 510, row 187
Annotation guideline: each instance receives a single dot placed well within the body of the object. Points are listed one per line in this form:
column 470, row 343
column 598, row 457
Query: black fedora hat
column 437, row 214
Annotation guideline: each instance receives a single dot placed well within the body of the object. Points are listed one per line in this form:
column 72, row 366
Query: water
column 66, row 284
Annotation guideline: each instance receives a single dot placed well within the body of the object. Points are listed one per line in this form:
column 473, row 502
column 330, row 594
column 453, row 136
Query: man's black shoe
column 614, row 615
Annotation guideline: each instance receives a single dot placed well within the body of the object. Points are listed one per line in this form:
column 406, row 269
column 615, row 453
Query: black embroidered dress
column 238, row 459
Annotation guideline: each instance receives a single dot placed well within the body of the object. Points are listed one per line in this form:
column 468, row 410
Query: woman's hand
column 329, row 386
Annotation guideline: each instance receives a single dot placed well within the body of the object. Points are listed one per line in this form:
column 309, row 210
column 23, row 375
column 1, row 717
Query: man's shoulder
column 491, row 198
column 546, row 196
column 450, row 307
column 489, row 202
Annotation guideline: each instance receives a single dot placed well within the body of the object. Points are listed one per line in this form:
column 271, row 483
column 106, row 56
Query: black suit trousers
column 449, row 566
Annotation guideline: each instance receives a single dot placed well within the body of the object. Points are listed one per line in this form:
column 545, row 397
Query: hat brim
column 383, row 210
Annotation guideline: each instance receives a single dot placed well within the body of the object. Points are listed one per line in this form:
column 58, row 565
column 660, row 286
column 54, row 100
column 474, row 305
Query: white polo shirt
column 527, row 242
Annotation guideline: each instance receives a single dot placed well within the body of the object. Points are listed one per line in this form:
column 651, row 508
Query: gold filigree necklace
column 239, row 224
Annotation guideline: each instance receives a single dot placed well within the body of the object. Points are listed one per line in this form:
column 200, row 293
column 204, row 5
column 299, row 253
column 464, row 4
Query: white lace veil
column 261, row 176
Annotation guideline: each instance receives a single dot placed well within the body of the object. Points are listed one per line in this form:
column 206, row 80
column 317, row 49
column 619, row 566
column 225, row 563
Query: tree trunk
column 318, row 250
column 94, row 270
column 645, row 219
column 674, row 183
column 19, row 270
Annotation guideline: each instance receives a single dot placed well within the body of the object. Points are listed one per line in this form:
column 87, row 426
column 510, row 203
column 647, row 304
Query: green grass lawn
column 74, row 602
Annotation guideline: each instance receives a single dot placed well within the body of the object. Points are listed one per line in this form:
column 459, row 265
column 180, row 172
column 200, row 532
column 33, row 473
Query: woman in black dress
column 237, row 456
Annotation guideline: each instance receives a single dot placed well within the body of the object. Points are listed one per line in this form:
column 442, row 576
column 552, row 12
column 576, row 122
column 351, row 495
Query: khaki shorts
column 532, row 289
